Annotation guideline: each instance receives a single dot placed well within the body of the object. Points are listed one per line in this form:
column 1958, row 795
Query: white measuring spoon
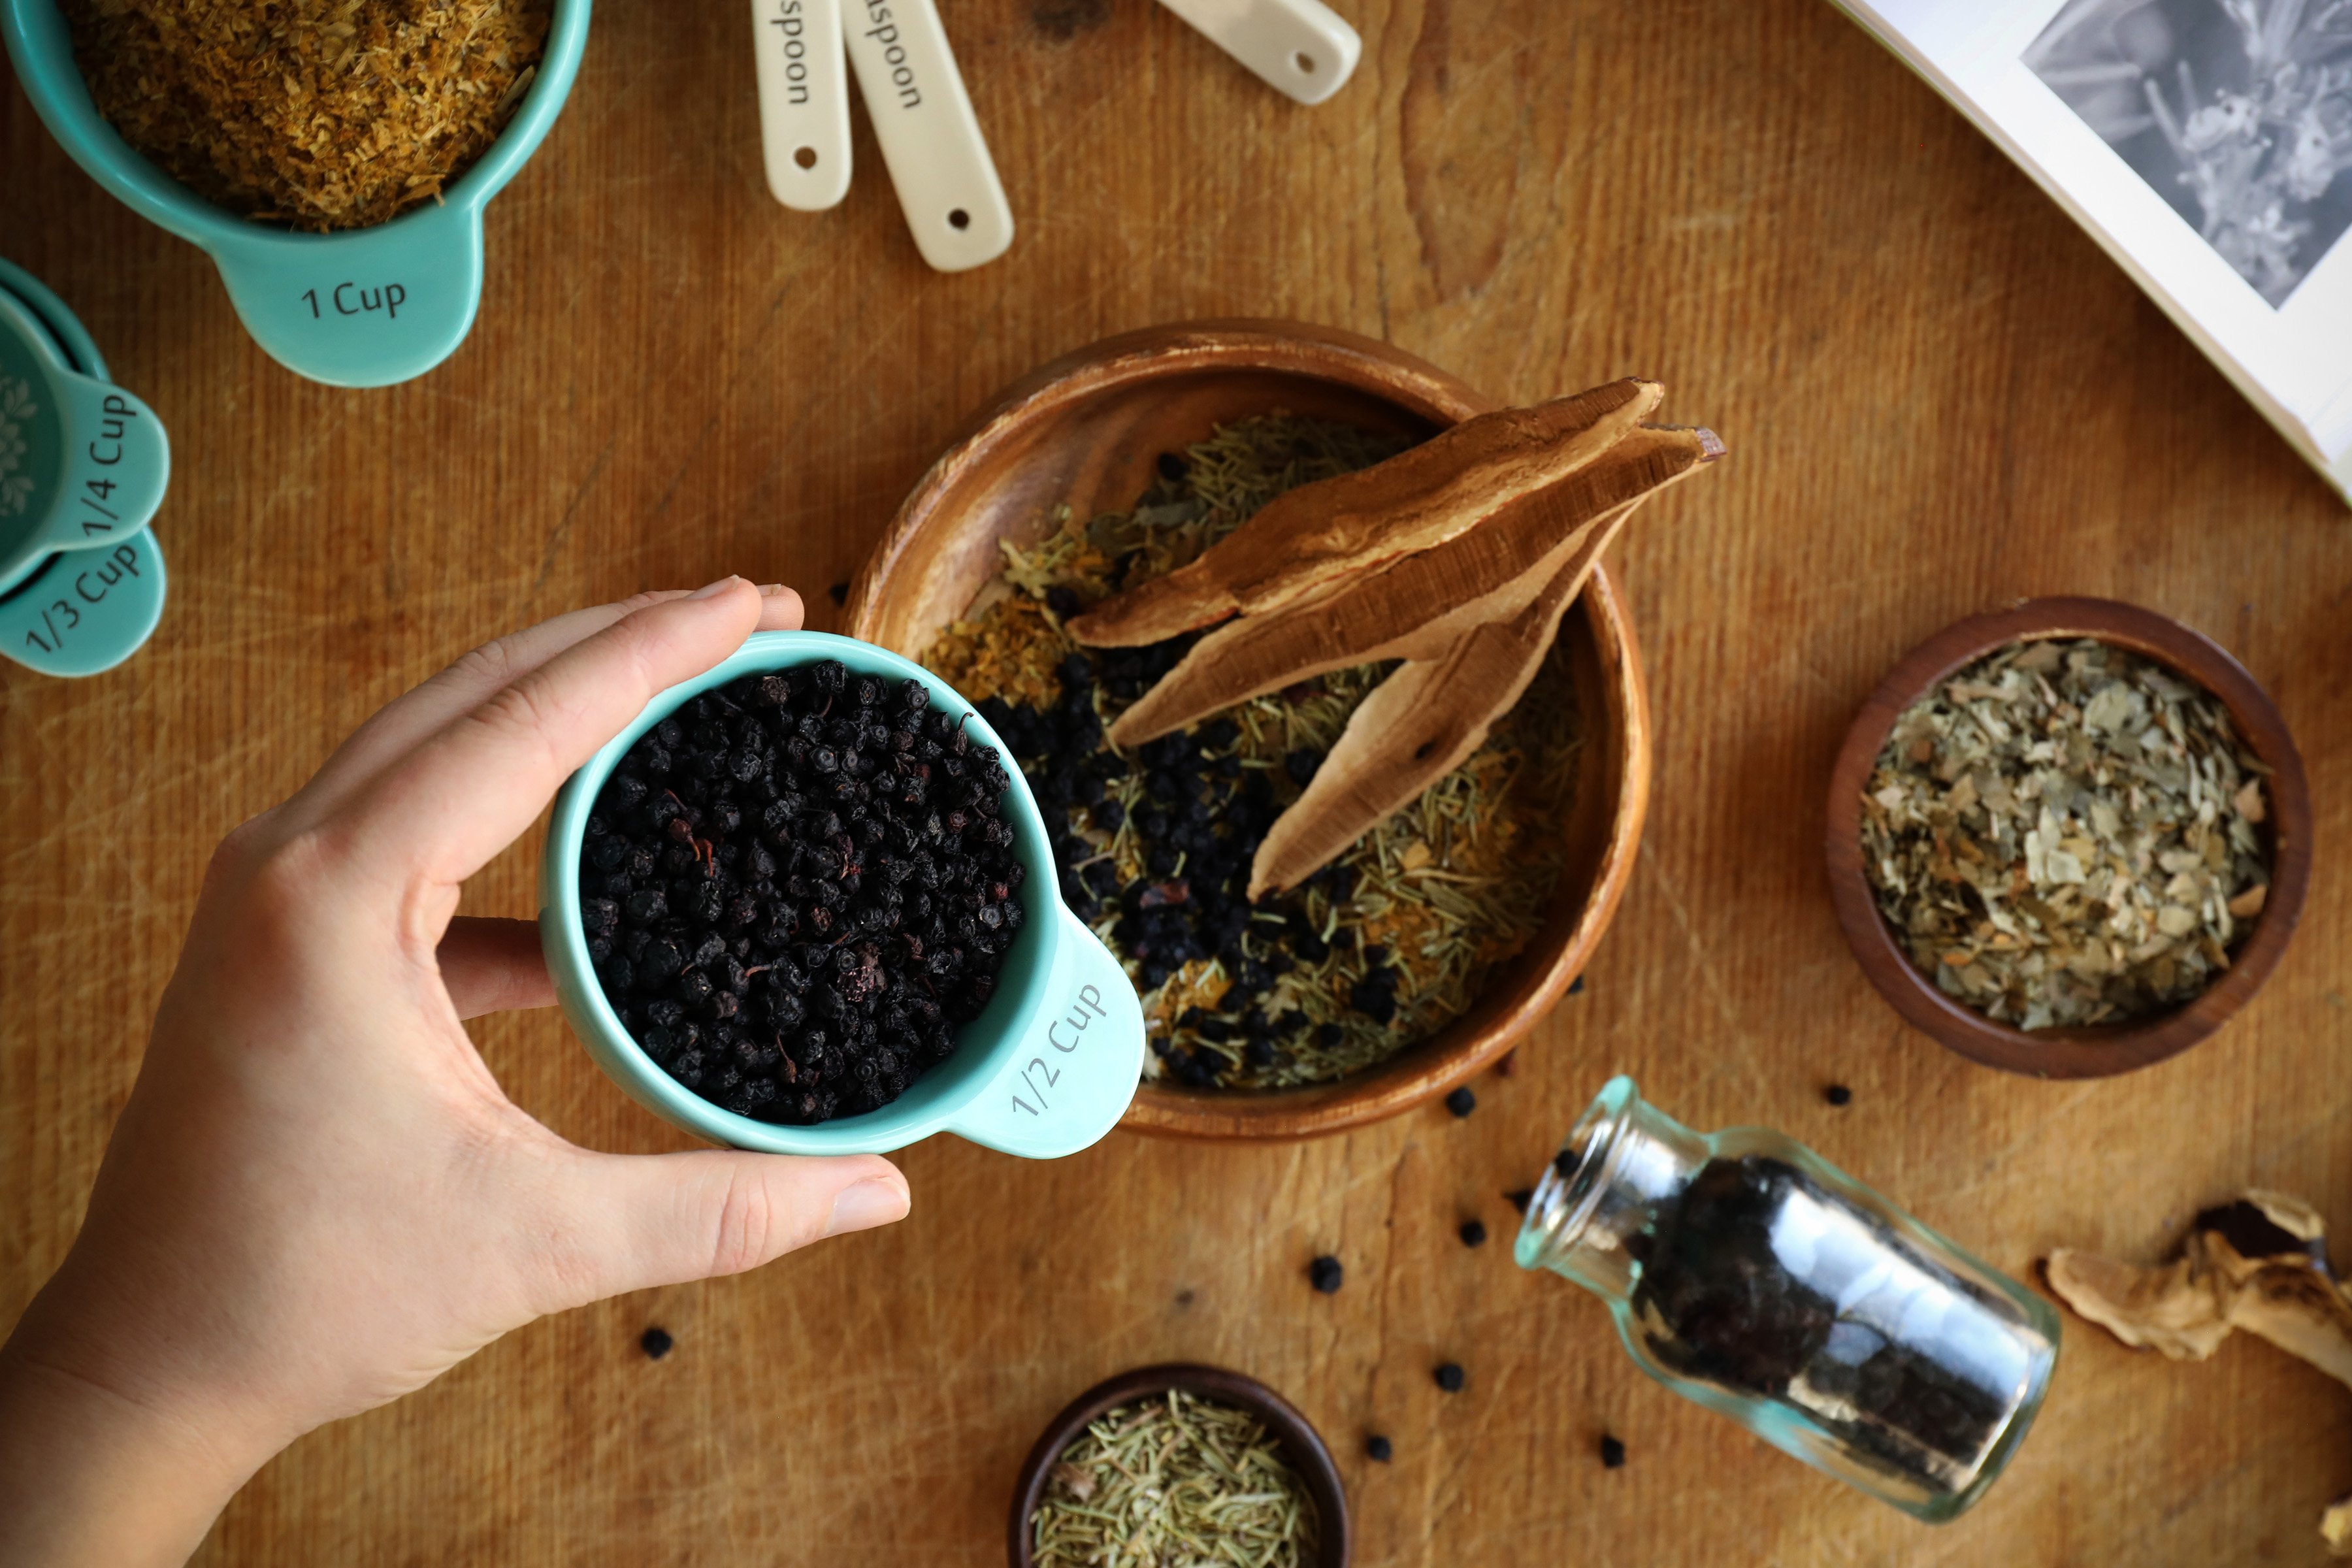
column 1302, row 49
column 931, row 139
column 803, row 101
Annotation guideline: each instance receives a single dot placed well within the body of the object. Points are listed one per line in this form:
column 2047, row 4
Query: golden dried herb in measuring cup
column 1372, row 954
column 310, row 113
column 2068, row 834
column 1174, row 1480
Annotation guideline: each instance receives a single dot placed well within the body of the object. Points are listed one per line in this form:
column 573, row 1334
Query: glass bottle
column 1748, row 1274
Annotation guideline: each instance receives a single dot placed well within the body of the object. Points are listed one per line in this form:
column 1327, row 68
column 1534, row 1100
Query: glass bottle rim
column 1566, row 1198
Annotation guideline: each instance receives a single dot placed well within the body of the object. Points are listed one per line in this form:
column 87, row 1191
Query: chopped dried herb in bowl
column 313, row 113
column 1173, row 1482
column 2068, row 834
column 1368, row 956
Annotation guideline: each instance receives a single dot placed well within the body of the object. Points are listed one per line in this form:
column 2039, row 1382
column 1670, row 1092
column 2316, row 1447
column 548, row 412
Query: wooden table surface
column 1939, row 396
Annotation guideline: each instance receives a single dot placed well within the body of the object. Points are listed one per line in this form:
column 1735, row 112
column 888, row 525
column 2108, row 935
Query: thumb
column 641, row 1220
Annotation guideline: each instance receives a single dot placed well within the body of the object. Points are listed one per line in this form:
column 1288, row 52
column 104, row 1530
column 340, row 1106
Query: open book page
column 2206, row 144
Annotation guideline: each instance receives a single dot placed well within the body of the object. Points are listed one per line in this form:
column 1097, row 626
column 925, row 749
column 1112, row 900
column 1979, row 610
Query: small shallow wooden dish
column 1301, row 1445
column 1085, row 431
column 2101, row 1050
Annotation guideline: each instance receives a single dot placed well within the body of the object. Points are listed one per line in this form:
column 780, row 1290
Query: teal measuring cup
column 83, row 468
column 365, row 306
column 1046, row 1070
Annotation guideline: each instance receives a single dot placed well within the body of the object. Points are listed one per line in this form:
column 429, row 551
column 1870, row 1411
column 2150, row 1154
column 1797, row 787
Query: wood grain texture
column 2099, row 1050
column 1940, row 398
column 1084, row 433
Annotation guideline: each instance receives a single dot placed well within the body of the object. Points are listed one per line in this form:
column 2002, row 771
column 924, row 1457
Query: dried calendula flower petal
column 2258, row 1264
column 1173, row 1482
column 1319, row 536
column 2066, row 833
column 321, row 114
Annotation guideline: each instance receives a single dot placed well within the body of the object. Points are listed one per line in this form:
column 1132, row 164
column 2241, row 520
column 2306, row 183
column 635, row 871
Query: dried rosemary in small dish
column 1174, row 1482
column 1367, row 956
column 318, row 114
column 2068, row 834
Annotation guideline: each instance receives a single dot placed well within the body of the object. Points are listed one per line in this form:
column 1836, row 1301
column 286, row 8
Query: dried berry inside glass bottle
column 1746, row 1273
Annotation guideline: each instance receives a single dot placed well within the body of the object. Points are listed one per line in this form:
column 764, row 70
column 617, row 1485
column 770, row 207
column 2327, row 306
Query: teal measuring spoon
column 1046, row 1070
column 366, row 307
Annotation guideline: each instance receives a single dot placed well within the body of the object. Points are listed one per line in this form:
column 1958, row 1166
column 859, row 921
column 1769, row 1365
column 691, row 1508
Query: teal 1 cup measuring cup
column 1046, row 1070
column 83, row 468
column 363, row 307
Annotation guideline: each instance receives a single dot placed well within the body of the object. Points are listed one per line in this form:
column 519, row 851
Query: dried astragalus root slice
column 1307, row 539
column 1417, row 607
column 2258, row 1264
column 1418, row 726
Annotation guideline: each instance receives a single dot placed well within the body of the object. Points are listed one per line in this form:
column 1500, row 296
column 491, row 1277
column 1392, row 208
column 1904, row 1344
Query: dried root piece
column 1309, row 539
column 1419, row 725
column 1419, row 607
column 2258, row 1264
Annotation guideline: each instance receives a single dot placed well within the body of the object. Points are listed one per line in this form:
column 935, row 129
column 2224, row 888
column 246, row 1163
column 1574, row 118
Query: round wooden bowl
column 1085, row 431
column 2101, row 1050
column 1301, row 1445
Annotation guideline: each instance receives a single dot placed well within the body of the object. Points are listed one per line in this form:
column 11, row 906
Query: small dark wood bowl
column 1085, row 432
column 2101, row 1050
column 1301, row 1444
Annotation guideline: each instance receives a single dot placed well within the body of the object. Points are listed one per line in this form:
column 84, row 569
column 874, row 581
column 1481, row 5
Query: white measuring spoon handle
column 931, row 139
column 803, row 101
column 1300, row 47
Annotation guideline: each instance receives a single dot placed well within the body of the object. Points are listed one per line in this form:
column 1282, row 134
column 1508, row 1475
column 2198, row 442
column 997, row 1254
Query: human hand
column 317, row 1198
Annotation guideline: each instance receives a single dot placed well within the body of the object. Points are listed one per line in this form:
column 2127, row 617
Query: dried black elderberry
column 797, row 886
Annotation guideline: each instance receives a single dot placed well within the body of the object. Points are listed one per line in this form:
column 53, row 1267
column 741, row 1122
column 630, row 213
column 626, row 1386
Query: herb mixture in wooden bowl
column 2070, row 839
column 1414, row 956
column 1177, row 1465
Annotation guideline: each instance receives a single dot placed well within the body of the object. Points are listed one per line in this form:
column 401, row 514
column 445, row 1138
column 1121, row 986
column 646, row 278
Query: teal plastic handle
column 118, row 463
column 1076, row 1072
column 86, row 611
column 368, row 308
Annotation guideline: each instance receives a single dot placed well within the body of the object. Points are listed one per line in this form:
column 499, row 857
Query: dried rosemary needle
column 1174, row 1482
column 2066, row 833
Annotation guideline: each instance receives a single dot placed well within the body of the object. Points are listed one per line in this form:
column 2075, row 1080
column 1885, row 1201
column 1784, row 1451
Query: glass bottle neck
column 1623, row 1159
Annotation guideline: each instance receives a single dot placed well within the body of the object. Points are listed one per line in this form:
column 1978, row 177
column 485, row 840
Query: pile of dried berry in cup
column 796, row 887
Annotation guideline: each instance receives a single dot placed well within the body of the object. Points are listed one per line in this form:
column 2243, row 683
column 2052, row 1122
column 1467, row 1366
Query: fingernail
column 714, row 589
column 770, row 590
column 878, row 1200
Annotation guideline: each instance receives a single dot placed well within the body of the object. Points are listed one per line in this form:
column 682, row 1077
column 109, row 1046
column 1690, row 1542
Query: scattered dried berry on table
column 1174, row 1480
column 1462, row 1102
column 1520, row 1198
column 313, row 113
column 655, row 1342
column 1374, row 954
column 1379, row 1448
column 1612, row 1453
column 2068, row 834
column 1838, row 1094
column 1473, row 1233
column 838, row 593
column 1450, row 1377
column 1326, row 1274
column 796, row 888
